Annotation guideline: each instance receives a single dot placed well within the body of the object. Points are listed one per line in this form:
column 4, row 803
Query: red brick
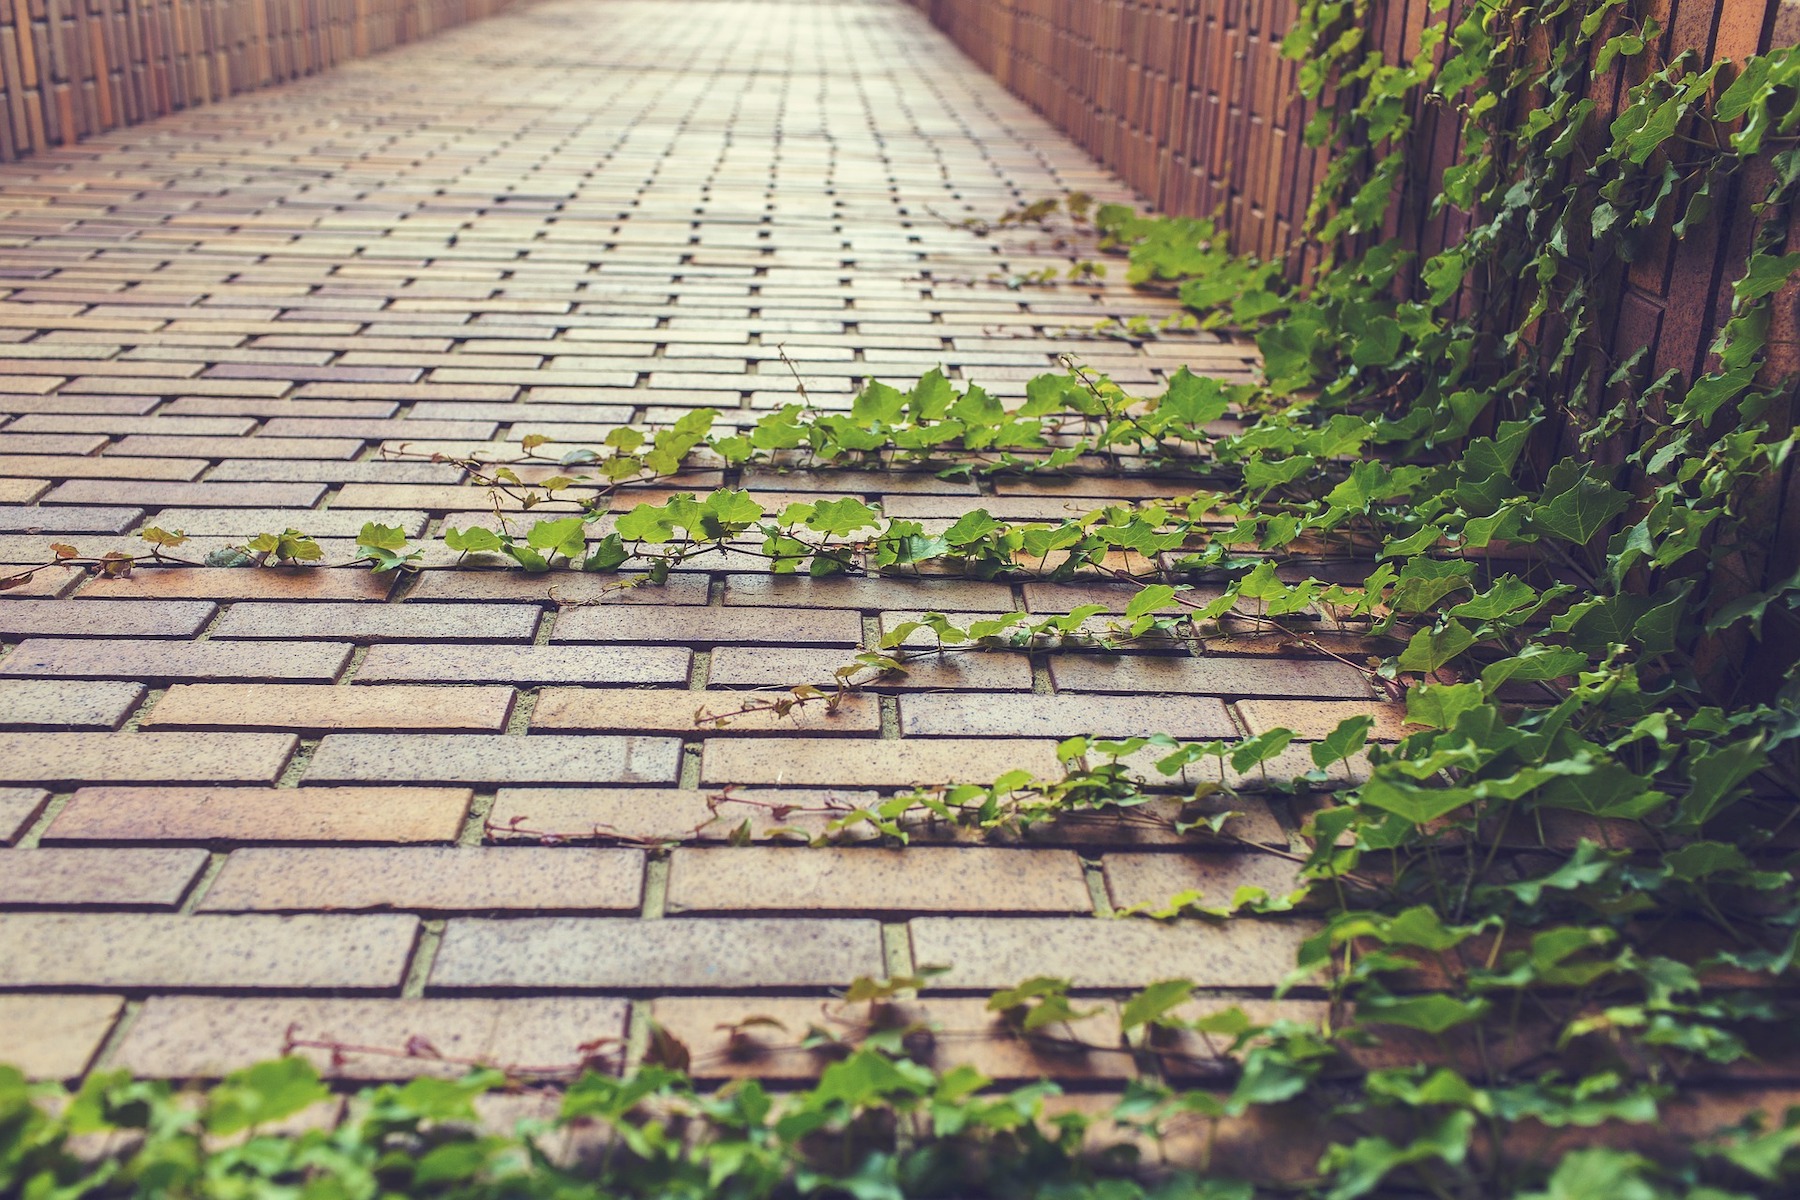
column 252, row 814
column 868, row 880
column 161, row 661
column 41, row 758
column 206, row 1037
column 691, row 953
column 157, row 950
column 55, row 878
column 311, row 707
column 428, row 878
column 808, row 762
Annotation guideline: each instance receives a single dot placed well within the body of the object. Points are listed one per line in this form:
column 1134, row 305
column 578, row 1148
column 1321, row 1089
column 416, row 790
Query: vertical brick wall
column 1192, row 103
column 73, row 68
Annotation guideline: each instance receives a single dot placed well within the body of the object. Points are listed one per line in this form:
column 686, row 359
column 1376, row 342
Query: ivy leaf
column 474, row 540
column 381, row 537
column 1433, row 1014
column 1154, row 1002
column 1430, row 649
column 1153, row 598
column 841, row 517
column 261, row 1094
column 608, row 554
column 1350, row 736
column 1576, row 504
column 1436, row 706
column 567, row 537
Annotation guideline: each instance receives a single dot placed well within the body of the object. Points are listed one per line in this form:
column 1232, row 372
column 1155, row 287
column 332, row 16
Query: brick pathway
column 243, row 802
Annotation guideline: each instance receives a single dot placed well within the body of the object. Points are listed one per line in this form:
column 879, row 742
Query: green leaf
column 1152, row 599
column 266, row 1092
column 567, row 537
column 1430, row 649
column 842, row 517
column 1350, row 736
column 1432, row 1014
column 1437, row 705
column 474, row 540
column 1577, row 504
column 1154, row 1002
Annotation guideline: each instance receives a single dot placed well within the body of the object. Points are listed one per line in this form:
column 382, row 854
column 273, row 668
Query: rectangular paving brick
column 22, row 491
column 232, row 815
column 687, row 954
column 651, row 815
column 1155, row 879
column 55, row 1037
column 19, row 807
column 380, row 622
column 263, row 583
column 156, row 662
column 975, row 714
column 1211, row 675
column 522, row 665
column 666, row 710
column 157, row 950
column 28, row 467
column 66, row 704
column 105, row 618
column 869, row 595
column 206, row 1037
column 964, row 1033
column 560, row 588
column 994, row 952
column 866, row 880
column 429, row 879
column 24, row 518
column 710, row 626
column 43, row 758
column 1312, row 720
column 152, row 494
column 450, row 758
column 311, row 707
column 781, row 667
column 809, row 762
column 135, row 878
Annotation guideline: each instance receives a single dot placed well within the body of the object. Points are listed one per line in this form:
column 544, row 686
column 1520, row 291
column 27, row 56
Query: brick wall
column 73, row 68
column 1192, row 103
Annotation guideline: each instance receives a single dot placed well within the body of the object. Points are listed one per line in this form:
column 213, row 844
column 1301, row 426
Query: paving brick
column 41, row 758
column 207, row 1037
column 779, row 667
column 158, row 950
column 979, row 714
column 22, row 491
column 30, row 703
column 560, row 587
column 994, row 952
column 158, row 445
column 18, row 468
column 58, row 878
column 263, row 583
column 157, row 662
column 380, row 622
column 231, row 815
column 809, row 762
column 21, row 518
column 104, row 618
column 1156, row 879
column 688, row 954
column 318, row 708
column 664, row 710
column 653, row 815
column 240, row 523
column 522, row 665
column 1316, row 719
column 428, row 879
column 710, row 626
column 19, row 807
column 56, row 1037
column 449, row 758
column 869, row 595
column 865, row 880
column 1212, row 675
column 963, row 1032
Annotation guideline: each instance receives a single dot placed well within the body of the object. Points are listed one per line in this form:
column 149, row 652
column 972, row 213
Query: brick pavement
column 473, row 806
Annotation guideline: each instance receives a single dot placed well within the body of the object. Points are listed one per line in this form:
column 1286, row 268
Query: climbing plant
column 1562, row 899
